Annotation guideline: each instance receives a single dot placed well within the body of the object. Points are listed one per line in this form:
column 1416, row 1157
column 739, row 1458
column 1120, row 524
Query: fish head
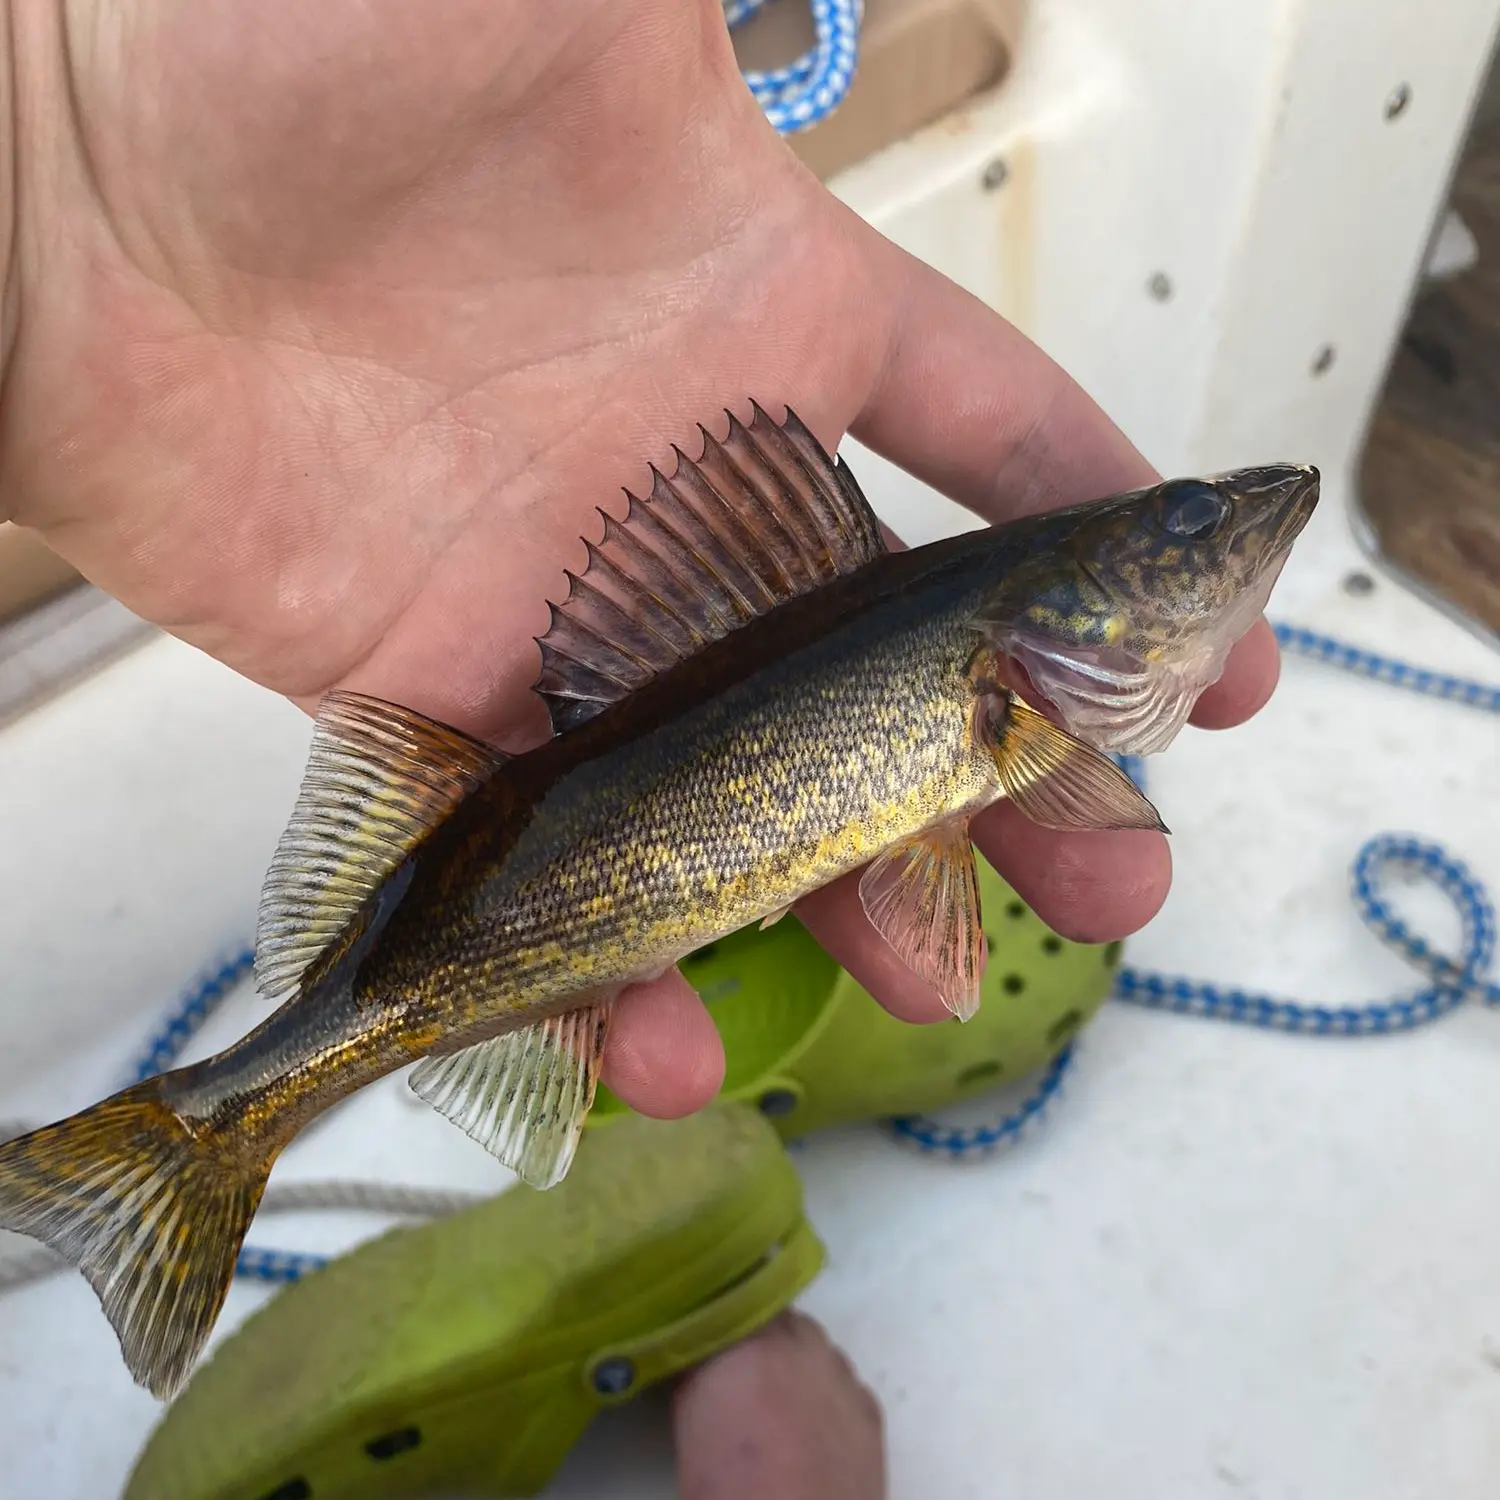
column 1120, row 613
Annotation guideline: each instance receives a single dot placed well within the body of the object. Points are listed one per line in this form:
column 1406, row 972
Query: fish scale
column 711, row 821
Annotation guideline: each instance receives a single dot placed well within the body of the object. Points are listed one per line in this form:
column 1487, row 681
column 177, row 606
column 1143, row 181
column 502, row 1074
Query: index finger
column 969, row 405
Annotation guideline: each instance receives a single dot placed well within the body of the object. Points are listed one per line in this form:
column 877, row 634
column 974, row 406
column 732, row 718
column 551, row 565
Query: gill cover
column 1131, row 608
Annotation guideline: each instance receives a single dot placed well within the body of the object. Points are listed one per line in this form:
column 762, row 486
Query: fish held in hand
column 750, row 697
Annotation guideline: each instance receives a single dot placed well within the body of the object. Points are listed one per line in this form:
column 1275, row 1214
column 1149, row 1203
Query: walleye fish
column 750, row 696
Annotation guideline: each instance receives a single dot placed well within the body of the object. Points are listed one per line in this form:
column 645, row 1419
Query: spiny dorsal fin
column 378, row 778
column 524, row 1095
column 762, row 517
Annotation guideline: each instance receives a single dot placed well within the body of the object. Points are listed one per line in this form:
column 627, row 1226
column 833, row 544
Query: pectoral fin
column 922, row 897
column 523, row 1096
column 1060, row 782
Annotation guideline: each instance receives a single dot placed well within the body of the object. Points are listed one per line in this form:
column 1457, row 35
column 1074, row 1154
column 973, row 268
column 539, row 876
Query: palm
column 336, row 322
column 351, row 372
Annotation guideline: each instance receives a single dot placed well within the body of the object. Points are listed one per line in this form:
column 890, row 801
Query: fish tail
column 150, row 1207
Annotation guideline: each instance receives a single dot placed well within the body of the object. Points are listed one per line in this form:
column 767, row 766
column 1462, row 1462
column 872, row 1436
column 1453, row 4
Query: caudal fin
column 151, row 1211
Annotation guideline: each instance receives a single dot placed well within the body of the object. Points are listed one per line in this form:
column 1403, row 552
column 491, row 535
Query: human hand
column 782, row 1413
column 329, row 326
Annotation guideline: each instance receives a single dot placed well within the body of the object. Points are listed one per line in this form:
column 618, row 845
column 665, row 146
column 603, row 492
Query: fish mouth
column 1303, row 487
column 1277, row 501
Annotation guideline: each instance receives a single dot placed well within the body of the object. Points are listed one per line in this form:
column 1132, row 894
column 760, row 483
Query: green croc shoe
column 811, row 1048
column 468, row 1355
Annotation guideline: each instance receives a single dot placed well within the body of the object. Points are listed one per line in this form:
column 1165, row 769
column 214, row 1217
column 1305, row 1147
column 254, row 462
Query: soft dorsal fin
column 378, row 777
column 762, row 517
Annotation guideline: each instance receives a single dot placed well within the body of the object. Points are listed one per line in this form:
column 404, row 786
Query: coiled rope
column 811, row 88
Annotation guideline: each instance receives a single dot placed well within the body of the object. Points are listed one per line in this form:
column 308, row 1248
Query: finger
column 796, row 1327
column 1092, row 887
column 836, row 919
column 1089, row 887
column 1249, row 679
column 969, row 405
column 664, row 1057
column 972, row 407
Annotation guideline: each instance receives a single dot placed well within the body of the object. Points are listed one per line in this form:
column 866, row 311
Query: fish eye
column 1192, row 509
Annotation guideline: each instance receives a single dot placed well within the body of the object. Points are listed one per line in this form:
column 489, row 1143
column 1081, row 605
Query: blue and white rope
column 802, row 93
column 1299, row 642
column 1453, row 980
column 1004, row 1134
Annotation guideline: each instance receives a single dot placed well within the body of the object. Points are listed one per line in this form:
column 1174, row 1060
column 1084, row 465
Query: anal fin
column 524, row 1095
column 922, row 897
